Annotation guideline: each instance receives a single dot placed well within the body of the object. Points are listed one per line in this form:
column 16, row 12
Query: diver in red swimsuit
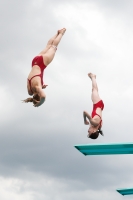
column 95, row 119
column 35, row 83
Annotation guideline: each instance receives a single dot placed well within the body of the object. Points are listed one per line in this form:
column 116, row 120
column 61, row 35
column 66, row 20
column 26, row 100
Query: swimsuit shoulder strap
column 29, row 80
column 34, row 77
column 98, row 115
column 100, row 120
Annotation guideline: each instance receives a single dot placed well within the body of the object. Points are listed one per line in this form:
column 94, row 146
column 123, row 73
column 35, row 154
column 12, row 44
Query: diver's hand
column 44, row 86
column 37, row 103
column 86, row 122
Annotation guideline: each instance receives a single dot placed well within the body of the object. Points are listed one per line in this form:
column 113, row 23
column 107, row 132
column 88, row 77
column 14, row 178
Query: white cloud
column 10, row 190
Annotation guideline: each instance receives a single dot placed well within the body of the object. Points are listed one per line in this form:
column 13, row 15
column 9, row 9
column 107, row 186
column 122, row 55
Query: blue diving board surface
column 127, row 191
column 105, row 149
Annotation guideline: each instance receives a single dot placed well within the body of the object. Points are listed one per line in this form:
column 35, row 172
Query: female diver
column 95, row 120
column 35, row 84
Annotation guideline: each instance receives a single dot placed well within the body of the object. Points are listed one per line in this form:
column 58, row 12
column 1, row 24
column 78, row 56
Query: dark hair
column 95, row 134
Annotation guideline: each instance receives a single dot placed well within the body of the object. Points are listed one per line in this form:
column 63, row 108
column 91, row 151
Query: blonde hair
column 35, row 99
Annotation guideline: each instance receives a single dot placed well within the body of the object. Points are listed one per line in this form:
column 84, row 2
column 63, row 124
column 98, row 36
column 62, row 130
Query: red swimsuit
column 38, row 60
column 100, row 104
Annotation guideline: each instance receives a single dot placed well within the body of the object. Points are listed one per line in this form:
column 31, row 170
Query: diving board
column 105, row 149
column 127, row 191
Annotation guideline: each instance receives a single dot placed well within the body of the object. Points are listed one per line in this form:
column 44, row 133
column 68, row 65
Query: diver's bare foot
column 91, row 75
column 62, row 31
